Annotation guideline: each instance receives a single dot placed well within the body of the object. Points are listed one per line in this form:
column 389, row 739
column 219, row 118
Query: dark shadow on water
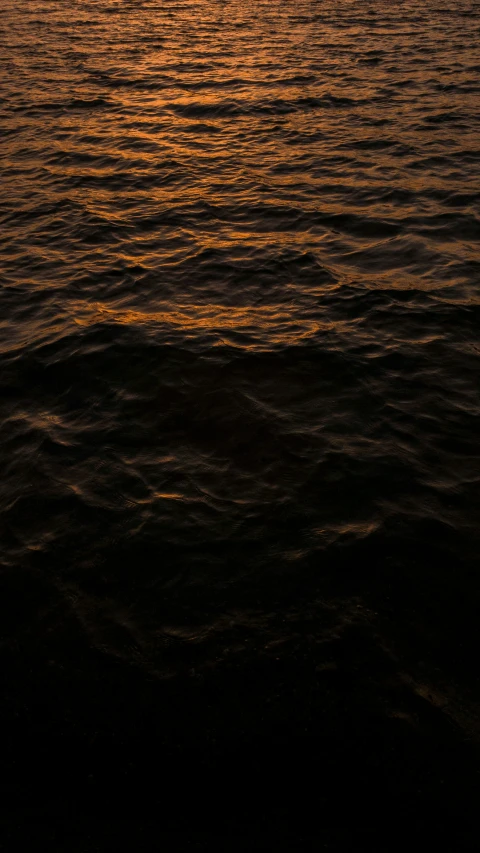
column 318, row 736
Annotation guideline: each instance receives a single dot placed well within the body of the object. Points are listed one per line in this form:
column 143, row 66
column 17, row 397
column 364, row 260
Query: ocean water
column 239, row 350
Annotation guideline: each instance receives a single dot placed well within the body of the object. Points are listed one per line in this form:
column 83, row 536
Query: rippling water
column 239, row 349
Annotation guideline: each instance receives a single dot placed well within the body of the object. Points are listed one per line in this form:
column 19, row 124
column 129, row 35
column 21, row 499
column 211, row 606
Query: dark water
column 239, row 359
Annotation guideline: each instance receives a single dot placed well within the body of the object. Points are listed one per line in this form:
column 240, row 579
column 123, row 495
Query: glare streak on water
column 240, row 295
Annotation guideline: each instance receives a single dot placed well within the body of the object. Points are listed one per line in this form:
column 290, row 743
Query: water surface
column 239, row 344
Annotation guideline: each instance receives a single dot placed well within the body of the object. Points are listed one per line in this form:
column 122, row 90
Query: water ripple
column 240, row 274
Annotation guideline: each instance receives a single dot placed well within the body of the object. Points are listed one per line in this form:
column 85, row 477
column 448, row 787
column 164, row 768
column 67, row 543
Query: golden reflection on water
column 275, row 323
column 297, row 138
column 239, row 325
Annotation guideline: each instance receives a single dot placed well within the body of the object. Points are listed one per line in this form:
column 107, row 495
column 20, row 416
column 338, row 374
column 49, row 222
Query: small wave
column 70, row 105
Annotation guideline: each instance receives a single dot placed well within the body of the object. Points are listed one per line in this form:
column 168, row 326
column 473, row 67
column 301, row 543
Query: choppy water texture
column 239, row 343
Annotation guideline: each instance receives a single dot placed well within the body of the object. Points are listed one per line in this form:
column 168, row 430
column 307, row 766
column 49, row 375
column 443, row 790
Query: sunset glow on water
column 239, row 363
